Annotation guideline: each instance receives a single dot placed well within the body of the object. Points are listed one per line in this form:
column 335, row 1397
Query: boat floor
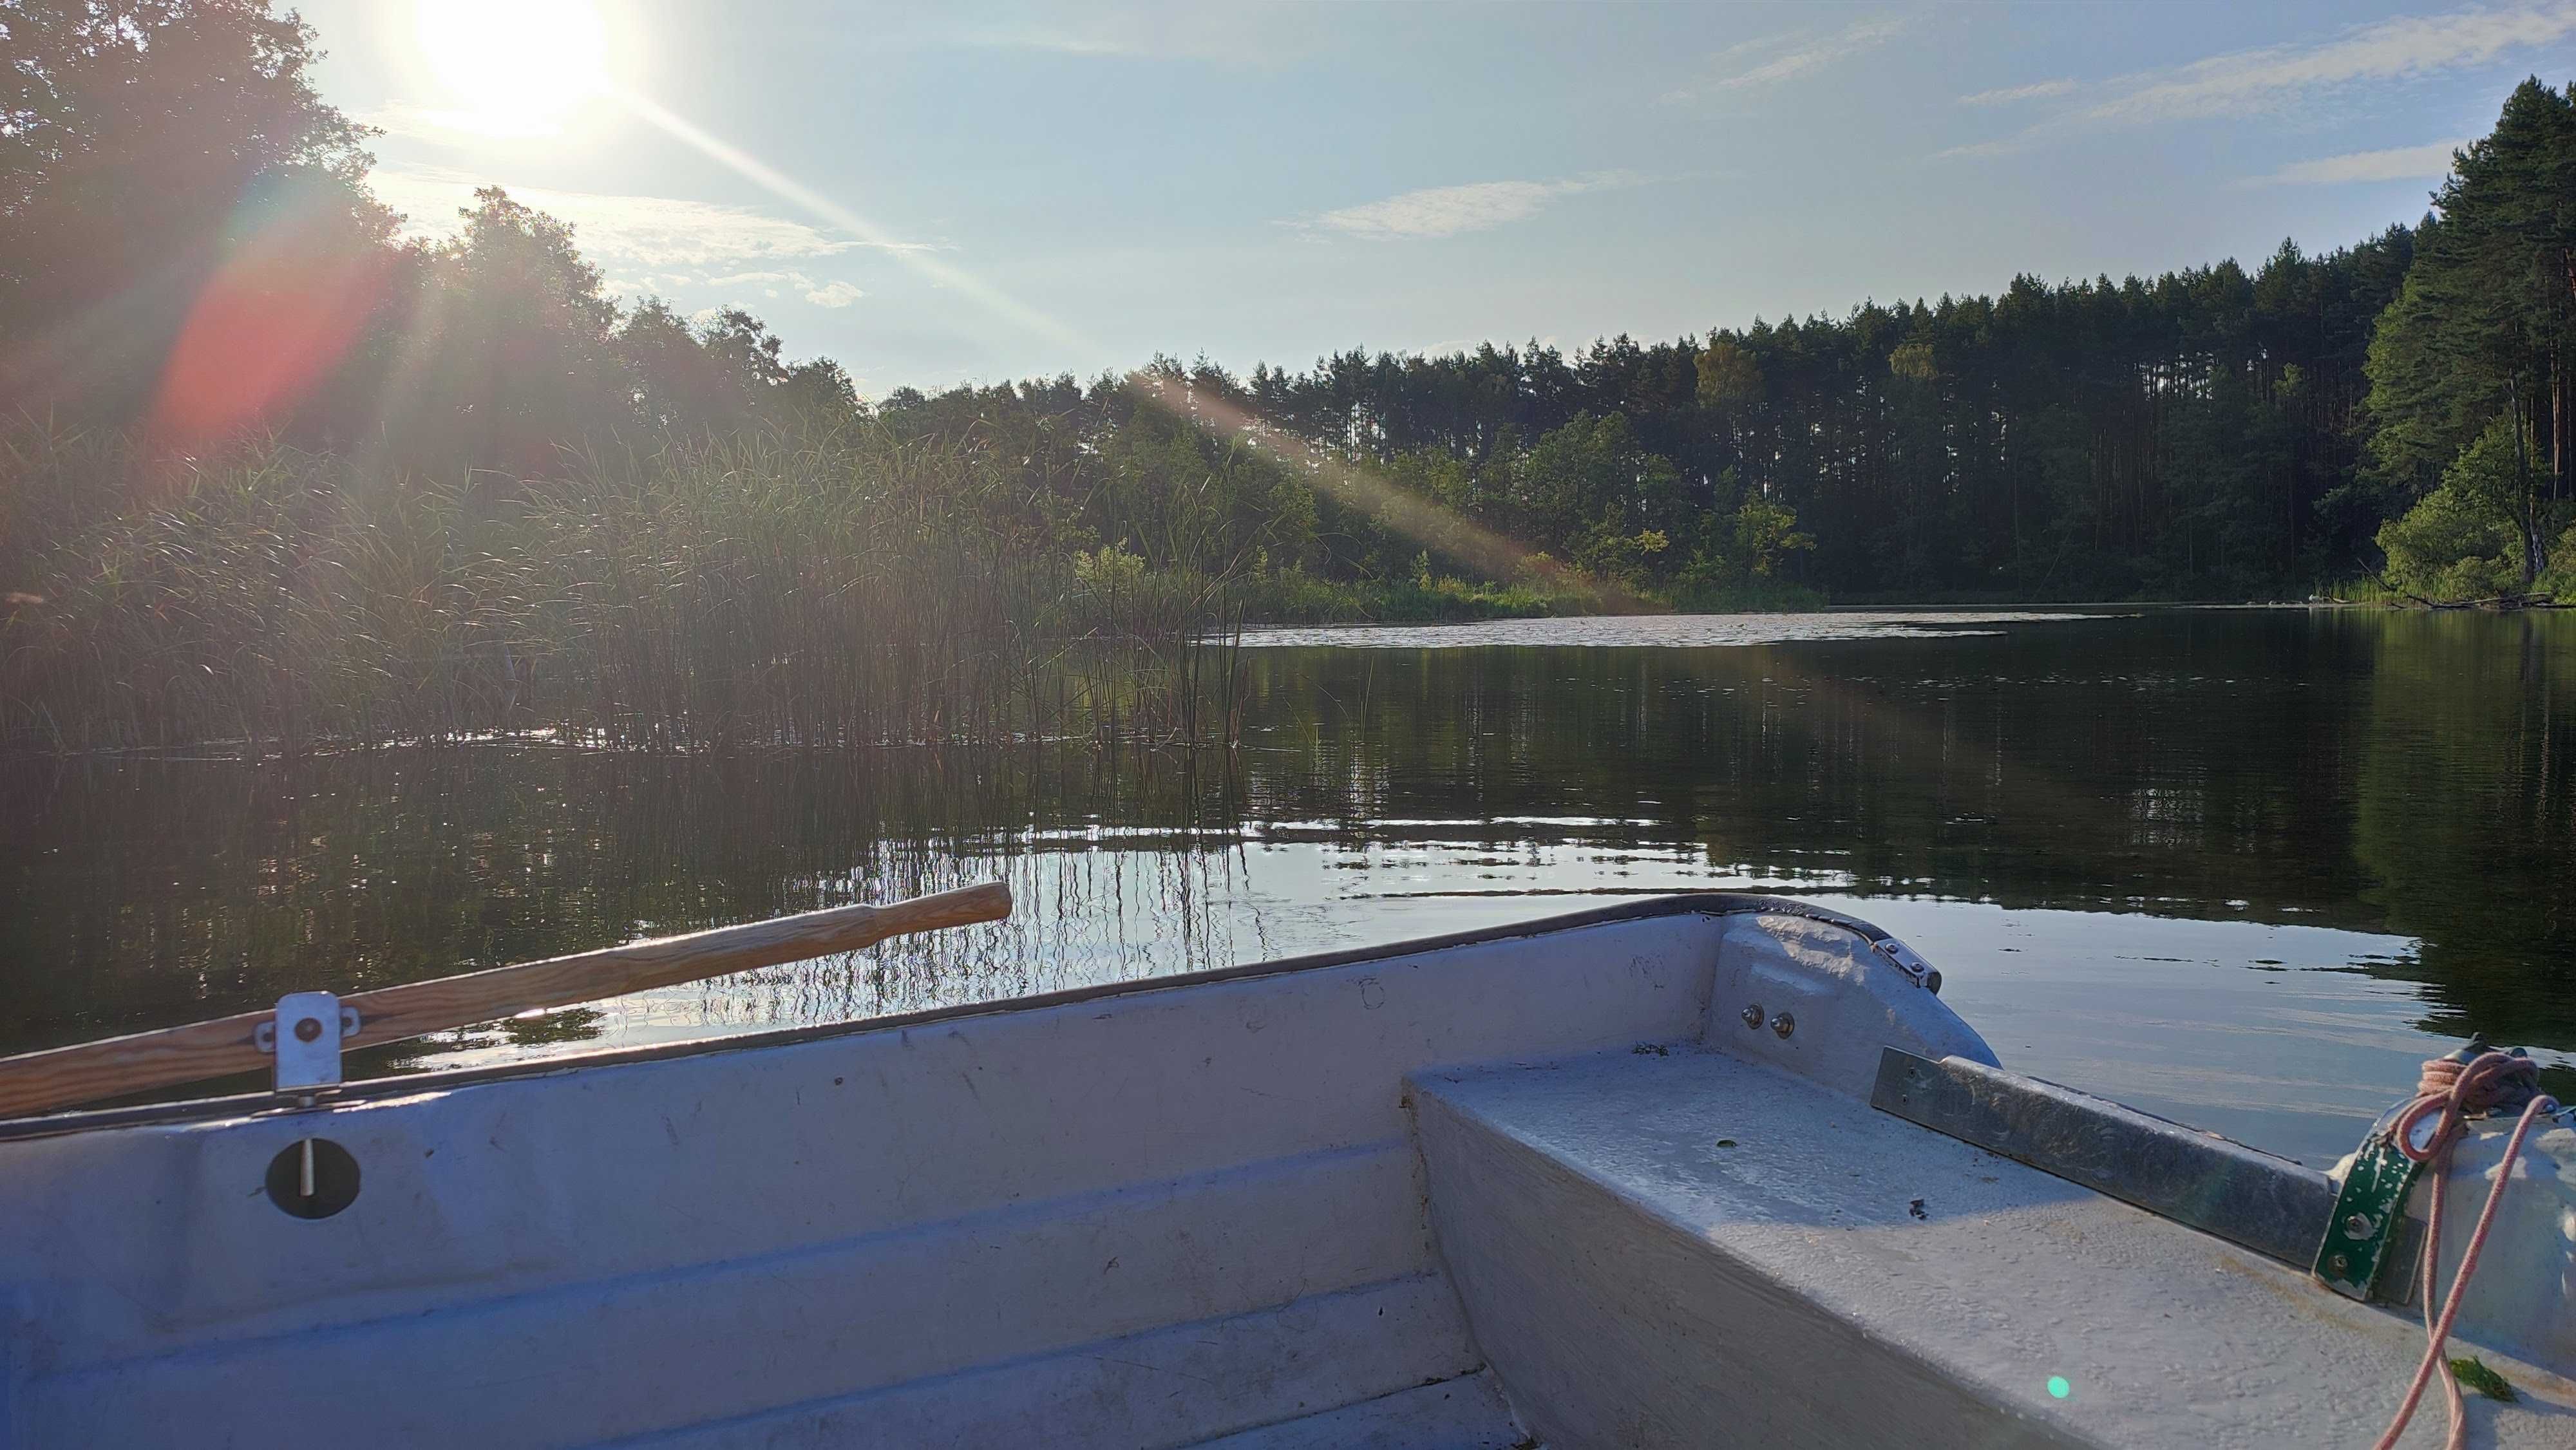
column 1653, row 1248
column 1466, row 1413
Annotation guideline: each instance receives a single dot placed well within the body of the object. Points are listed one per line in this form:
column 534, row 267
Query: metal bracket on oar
column 305, row 1037
column 308, row 1065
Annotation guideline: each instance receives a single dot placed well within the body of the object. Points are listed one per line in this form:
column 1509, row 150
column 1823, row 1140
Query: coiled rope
column 2452, row 1091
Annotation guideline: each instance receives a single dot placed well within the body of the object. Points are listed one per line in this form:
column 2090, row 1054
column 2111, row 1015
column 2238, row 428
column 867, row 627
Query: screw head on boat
column 2356, row 1226
column 1752, row 1014
column 1784, row 1024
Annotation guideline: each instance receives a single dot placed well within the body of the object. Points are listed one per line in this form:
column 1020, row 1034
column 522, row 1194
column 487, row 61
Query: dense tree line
column 2194, row 434
column 2473, row 368
column 2189, row 434
column 2395, row 411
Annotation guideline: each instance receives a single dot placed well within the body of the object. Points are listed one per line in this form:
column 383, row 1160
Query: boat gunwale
column 261, row 1104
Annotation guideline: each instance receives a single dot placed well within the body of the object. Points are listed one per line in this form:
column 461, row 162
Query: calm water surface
column 2240, row 867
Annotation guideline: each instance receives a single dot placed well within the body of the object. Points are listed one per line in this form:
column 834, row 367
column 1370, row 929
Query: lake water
column 2243, row 868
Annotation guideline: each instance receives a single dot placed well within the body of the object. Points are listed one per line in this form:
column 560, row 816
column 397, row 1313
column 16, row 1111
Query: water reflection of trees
column 2098, row 765
column 150, row 891
column 2388, row 772
column 2465, row 814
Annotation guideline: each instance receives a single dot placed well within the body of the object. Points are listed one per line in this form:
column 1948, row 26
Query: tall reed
column 761, row 589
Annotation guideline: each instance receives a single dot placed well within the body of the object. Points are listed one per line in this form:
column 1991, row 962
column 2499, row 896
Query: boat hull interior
column 1605, row 1180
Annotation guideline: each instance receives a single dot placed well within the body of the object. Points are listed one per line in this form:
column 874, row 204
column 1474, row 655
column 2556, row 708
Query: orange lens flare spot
column 271, row 321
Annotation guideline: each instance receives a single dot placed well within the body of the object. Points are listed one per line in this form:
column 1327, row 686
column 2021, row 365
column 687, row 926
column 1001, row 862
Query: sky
column 936, row 195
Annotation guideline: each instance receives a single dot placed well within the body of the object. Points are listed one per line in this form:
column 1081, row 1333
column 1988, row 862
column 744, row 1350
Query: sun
column 513, row 67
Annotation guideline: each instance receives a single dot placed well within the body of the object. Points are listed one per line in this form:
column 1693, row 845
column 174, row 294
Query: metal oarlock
column 305, row 1037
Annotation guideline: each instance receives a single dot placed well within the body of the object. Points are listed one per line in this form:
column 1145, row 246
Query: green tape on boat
column 2367, row 1216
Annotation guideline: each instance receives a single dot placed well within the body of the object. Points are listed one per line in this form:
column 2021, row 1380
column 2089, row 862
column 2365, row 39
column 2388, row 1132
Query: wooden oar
column 36, row 1082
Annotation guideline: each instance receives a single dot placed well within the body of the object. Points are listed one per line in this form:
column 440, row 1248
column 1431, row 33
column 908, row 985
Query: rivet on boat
column 1752, row 1014
column 1784, row 1024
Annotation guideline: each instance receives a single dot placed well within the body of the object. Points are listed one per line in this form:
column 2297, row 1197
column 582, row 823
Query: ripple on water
column 1674, row 630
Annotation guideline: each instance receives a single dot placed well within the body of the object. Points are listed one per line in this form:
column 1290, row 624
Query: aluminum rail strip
column 1705, row 903
column 2270, row 1205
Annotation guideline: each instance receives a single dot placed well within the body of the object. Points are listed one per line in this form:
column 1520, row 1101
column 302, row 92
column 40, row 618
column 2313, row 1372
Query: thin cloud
column 2035, row 91
column 1446, row 211
column 645, row 231
column 778, row 284
column 1757, row 45
column 1054, row 38
column 1168, row 30
column 429, row 123
column 2397, row 163
column 1761, row 45
column 1801, row 53
column 2403, row 48
column 2275, row 78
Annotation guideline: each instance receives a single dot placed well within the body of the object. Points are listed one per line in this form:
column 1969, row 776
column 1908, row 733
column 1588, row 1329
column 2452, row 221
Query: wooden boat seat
column 1692, row 1249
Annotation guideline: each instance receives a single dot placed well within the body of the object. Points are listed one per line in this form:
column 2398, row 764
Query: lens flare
column 267, row 327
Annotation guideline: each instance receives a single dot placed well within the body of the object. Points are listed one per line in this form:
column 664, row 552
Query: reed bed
column 758, row 590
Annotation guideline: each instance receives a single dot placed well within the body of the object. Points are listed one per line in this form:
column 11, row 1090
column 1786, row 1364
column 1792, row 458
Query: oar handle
column 59, row 1077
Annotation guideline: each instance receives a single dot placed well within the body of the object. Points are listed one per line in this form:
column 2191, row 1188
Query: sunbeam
column 1426, row 522
column 913, row 255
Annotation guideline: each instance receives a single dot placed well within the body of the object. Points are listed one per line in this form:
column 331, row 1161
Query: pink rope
column 2452, row 1090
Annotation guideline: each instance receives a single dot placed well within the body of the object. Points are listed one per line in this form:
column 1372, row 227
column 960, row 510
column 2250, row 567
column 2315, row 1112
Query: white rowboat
column 1611, row 1179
